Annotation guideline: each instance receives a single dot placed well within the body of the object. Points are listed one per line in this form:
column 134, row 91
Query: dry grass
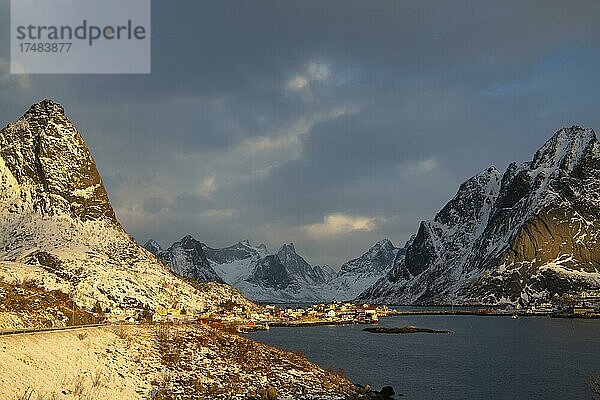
column 269, row 393
column 121, row 331
column 170, row 344
column 78, row 385
column 163, row 387
column 29, row 395
column 97, row 378
column 299, row 353
column 162, row 333
column 26, row 395
column 232, row 329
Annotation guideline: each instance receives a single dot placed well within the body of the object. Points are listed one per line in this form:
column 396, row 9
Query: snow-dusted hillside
column 524, row 236
column 174, row 362
column 57, row 225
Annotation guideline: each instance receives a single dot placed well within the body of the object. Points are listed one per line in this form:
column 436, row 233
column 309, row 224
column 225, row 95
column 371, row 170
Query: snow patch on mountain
column 360, row 273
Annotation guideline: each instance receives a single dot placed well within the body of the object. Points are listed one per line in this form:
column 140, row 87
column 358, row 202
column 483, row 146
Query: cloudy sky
column 328, row 124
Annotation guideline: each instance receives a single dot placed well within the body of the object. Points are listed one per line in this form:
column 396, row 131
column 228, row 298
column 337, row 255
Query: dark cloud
column 263, row 119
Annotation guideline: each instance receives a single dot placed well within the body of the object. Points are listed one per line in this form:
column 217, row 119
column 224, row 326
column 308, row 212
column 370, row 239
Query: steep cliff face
column 299, row 269
column 270, row 272
column 57, row 224
column 554, row 248
column 52, row 167
column 524, row 236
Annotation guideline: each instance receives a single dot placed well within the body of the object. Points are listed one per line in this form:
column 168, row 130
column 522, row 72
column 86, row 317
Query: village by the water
column 241, row 318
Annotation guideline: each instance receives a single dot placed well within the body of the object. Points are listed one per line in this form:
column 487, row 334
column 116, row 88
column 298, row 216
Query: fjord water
column 488, row 357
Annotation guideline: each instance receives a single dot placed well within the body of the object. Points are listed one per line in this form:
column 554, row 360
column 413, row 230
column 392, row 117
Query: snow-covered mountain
column 324, row 273
column 302, row 271
column 360, row 273
column 186, row 258
column 523, row 236
column 256, row 273
column 57, row 225
column 270, row 273
column 281, row 277
column 284, row 276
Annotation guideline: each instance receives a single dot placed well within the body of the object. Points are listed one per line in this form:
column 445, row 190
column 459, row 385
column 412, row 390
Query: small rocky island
column 406, row 329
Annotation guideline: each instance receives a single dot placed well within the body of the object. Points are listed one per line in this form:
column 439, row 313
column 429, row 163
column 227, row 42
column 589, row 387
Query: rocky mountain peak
column 287, row 247
column 472, row 199
column 153, row 246
column 188, row 242
column 56, row 220
column 44, row 111
column 271, row 272
column 297, row 266
column 564, row 149
column 52, row 166
column 377, row 259
column 287, row 251
column 382, row 244
column 188, row 258
column 524, row 237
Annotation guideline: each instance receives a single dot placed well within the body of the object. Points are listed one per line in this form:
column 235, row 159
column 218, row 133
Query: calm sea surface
column 484, row 358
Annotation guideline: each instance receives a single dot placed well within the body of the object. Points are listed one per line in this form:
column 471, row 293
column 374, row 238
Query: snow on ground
column 134, row 362
column 70, row 365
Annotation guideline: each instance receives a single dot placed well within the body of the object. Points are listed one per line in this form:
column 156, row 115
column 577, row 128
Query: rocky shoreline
column 385, row 393
column 403, row 330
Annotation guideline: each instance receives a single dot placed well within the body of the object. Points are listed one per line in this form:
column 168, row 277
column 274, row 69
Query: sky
column 332, row 124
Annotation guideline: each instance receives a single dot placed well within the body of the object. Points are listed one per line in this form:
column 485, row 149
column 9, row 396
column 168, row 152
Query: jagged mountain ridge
column 286, row 276
column 186, row 258
column 153, row 246
column 235, row 252
column 297, row 267
column 523, row 236
column 281, row 277
column 57, row 225
column 257, row 273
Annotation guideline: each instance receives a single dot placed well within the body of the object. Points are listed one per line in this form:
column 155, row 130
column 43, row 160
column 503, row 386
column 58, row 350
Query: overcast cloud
column 328, row 124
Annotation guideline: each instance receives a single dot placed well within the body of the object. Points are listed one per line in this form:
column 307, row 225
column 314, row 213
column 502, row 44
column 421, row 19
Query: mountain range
column 281, row 277
column 527, row 235
column 284, row 276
